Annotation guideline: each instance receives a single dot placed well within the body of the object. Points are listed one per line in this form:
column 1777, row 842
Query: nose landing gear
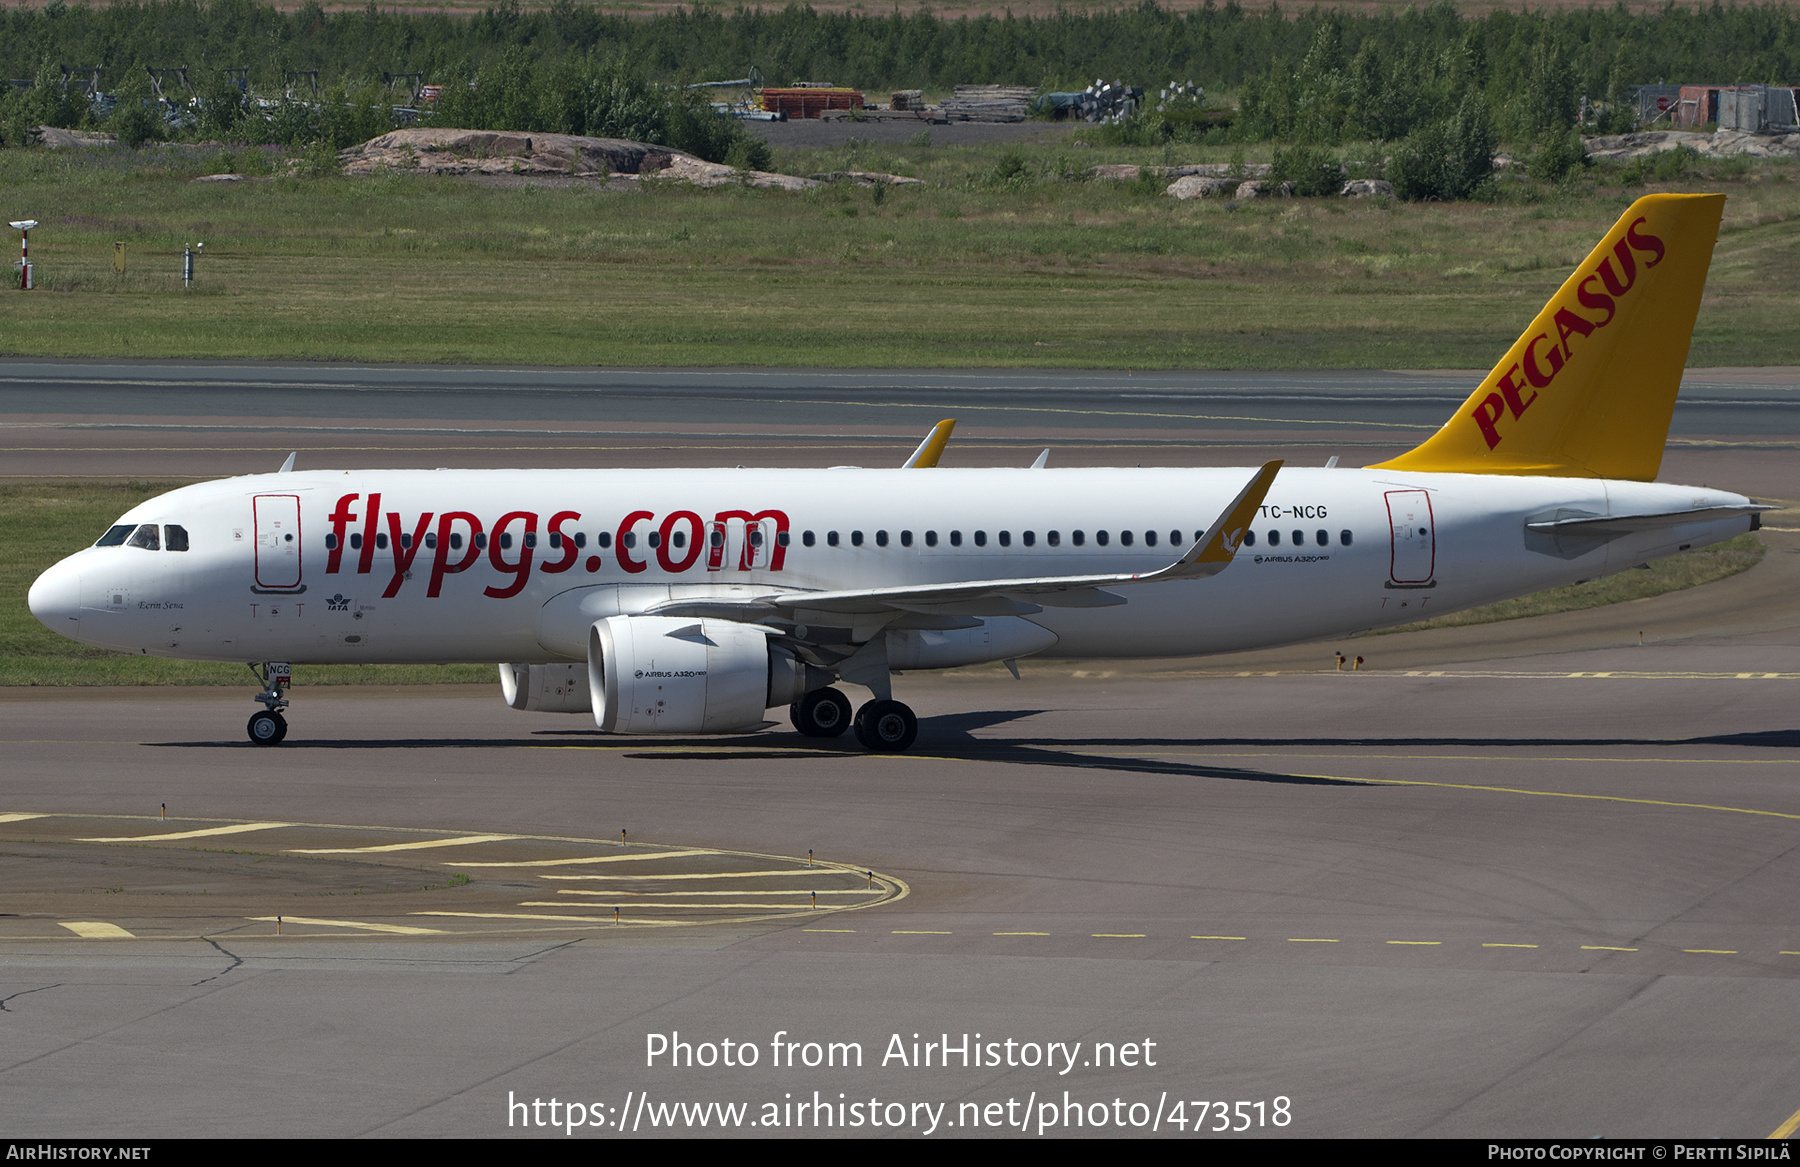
column 268, row 727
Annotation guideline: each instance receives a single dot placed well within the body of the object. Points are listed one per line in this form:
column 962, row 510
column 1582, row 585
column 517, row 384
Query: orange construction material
column 810, row 103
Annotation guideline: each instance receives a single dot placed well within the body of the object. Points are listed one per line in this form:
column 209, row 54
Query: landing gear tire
column 886, row 727
column 821, row 713
column 267, row 728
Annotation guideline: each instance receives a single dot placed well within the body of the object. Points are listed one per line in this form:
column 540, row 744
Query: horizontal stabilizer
column 1610, row 525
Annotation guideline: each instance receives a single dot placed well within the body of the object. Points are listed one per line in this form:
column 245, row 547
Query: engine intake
column 670, row 674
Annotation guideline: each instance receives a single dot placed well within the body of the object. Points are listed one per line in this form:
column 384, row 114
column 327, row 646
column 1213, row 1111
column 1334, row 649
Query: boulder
column 52, row 138
column 1194, row 186
column 868, row 178
column 1263, row 190
column 445, row 150
column 1722, row 144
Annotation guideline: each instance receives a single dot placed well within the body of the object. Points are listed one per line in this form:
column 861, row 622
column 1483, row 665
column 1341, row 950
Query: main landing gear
column 882, row 726
column 821, row 713
column 268, row 727
column 886, row 727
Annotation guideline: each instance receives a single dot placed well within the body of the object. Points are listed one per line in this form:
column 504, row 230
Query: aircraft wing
column 1209, row 555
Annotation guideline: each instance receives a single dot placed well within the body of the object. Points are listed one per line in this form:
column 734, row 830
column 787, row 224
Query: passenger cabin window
column 906, row 538
column 115, row 535
column 881, row 538
column 330, row 541
column 146, row 537
column 174, row 538
column 781, row 537
column 1344, row 538
column 1079, row 537
column 956, row 538
column 1054, row 538
column 1322, row 538
column 931, row 538
column 381, row 541
column 1249, row 538
column 356, row 541
column 1031, row 538
column 856, row 538
column 604, row 538
column 1274, row 538
column 1149, row 538
column 806, row 538
column 1299, row 538
column 981, row 538
column 831, row 538
column 1100, row 538
column 1006, row 538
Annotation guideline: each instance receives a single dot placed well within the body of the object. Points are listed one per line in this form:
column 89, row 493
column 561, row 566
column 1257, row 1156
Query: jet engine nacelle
column 546, row 688
column 670, row 674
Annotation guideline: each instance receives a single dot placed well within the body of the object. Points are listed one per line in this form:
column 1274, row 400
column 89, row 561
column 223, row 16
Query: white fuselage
column 1333, row 551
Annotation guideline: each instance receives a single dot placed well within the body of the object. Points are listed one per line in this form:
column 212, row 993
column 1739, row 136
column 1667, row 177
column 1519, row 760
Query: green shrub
column 1557, row 156
column 1311, row 170
column 1673, row 165
column 1447, row 160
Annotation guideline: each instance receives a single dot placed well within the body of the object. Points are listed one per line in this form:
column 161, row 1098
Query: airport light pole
column 24, row 226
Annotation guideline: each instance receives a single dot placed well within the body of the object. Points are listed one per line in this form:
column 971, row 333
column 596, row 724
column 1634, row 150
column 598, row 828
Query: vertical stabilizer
column 1588, row 389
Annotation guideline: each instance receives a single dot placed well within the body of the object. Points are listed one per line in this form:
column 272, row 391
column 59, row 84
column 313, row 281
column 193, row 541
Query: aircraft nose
column 55, row 599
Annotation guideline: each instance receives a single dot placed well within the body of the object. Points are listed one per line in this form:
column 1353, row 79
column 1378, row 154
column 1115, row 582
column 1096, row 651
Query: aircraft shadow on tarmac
column 955, row 735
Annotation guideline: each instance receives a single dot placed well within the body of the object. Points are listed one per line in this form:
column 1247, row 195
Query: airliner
column 697, row 601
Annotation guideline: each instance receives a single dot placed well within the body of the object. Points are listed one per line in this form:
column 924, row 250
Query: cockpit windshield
column 145, row 536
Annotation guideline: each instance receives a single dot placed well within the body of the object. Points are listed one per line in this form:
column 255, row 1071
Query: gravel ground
column 811, row 133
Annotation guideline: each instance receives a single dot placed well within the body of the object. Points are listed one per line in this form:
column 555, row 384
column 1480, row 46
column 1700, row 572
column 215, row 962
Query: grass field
column 45, row 522
column 974, row 269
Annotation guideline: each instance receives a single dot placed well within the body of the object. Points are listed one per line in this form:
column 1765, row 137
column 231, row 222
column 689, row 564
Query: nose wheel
column 269, row 727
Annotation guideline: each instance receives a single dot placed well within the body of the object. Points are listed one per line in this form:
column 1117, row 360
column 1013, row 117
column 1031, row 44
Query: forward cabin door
column 277, row 542
column 1414, row 539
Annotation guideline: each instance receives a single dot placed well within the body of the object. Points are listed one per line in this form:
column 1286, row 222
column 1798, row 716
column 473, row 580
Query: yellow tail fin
column 1588, row 389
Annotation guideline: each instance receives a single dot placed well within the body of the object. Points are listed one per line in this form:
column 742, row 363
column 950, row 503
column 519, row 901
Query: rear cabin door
column 1414, row 538
column 277, row 542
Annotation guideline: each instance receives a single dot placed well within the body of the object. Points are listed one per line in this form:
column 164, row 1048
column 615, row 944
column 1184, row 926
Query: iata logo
column 338, row 603
column 1545, row 358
